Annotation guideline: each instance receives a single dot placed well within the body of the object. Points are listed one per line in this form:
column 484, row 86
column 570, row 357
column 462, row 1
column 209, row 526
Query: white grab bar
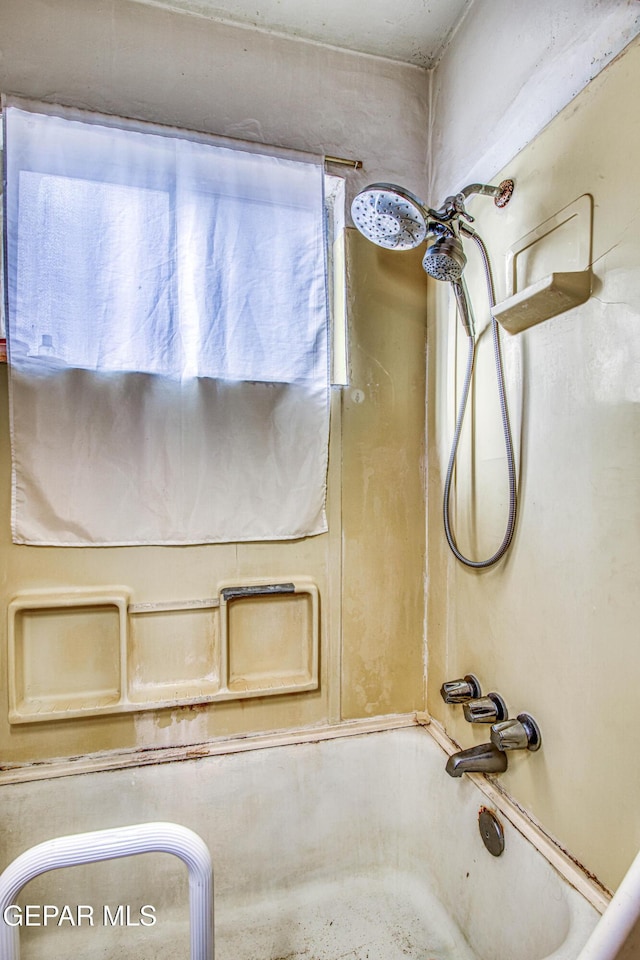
column 109, row 845
column 618, row 921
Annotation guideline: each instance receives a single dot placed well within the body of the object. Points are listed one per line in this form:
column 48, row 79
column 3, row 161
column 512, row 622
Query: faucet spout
column 485, row 758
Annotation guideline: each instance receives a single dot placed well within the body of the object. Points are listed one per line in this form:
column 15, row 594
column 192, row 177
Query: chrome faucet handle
column 520, row 734
column 489, row 709
column 461, row 691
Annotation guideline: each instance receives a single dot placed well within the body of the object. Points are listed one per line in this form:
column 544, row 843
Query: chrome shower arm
column 501, row 194
column 453, row 206
column 484, row 189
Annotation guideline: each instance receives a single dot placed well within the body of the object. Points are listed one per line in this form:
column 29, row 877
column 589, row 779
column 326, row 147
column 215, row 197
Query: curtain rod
column 356, row 164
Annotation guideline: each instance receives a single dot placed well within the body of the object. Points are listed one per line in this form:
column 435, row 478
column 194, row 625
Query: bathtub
column 359, row 847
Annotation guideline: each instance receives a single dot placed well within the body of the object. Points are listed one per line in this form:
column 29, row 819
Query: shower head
column 445, row 259
column 390, row 216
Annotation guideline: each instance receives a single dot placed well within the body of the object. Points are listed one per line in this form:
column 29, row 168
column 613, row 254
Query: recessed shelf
column 173, row 655
column 269, row 638
column 67, row 654
column 83, row 653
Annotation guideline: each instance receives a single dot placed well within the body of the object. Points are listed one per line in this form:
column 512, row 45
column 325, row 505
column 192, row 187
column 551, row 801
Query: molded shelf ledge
column 540, row 301
column 89, row 652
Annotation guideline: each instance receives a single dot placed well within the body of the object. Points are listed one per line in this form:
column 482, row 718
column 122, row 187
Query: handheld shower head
column 390, row 216
column 445, row 259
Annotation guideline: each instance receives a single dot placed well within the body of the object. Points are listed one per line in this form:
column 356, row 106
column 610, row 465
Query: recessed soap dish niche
column 549, row 269
column 82, row 653
column 66, row 654
column 270, row 638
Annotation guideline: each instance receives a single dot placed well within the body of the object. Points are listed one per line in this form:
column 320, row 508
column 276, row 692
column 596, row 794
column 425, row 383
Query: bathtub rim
column 569, row 868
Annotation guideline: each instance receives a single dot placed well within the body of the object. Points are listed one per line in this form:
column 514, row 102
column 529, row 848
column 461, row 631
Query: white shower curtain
column 168, row 334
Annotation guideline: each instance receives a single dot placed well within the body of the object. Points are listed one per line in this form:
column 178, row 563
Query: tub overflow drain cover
column 491, row 832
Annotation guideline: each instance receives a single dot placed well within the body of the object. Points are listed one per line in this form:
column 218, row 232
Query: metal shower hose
column 511, row 468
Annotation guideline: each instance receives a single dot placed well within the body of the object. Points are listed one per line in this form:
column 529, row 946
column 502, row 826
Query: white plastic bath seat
column 99, row 845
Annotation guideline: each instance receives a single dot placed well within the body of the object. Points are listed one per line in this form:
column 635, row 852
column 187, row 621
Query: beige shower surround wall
column 554, row 628
column 368, row 569
column 140, row 61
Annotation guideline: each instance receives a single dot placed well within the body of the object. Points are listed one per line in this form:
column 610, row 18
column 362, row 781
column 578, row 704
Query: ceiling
column 413, row 31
